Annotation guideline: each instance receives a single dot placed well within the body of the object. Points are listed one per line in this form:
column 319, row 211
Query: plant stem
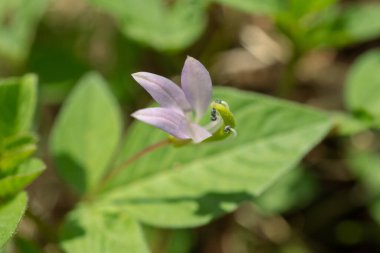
column 115, row 171
column 288, row 78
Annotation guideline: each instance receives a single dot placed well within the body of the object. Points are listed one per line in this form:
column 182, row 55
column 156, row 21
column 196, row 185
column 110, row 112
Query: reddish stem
column 114, row 172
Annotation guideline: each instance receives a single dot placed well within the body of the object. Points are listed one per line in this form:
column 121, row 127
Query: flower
column 175, row 116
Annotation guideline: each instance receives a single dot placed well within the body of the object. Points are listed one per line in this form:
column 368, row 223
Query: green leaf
column 11, row 212
column 87, row 229
column 17, row 104
column 339, row 26
column 282, row 196
column 255, row 6
column 154, row 23
column 362, row 93
column 303, row 8
column 86, row 133
column 298, row 8
column 20, row 19
column 361, row 22
column 189, row 186
column 24, row 174
column 15, row 150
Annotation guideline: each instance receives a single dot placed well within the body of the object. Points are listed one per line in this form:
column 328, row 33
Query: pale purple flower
column 175, row 116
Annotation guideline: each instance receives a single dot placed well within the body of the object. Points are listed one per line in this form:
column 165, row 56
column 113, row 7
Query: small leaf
column 255, row 6
column 17, row 104
column 86, row 133
column 302, row 8
column 87, row 229
column 362, row 93
column 20, row 18
column 15, row 150
column 11, row 212
column 189, row 186
column 161, row 26
column 361, row 22
column 297, row 8
column 24, row 174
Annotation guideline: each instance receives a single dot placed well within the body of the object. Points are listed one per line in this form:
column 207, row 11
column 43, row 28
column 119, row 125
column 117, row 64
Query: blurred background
column 293, row 49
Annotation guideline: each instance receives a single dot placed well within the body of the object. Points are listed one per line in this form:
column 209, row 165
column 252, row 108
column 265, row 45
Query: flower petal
column 163, row 90
column 196, row 83
column 198, row 133
column 166, row 119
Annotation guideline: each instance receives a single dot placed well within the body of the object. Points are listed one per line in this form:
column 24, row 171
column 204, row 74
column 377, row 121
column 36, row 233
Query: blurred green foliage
column 86, row 134
column 11, row 212
column 330, row 203
column 18, row 22
column 162, row 26
column 17, row 144
column 363, row 87
column 174, row 187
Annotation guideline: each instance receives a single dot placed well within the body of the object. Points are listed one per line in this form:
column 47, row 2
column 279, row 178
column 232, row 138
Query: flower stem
column 288, row 79
column 115, row 171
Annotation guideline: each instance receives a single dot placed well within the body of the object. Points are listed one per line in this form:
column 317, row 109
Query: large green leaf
column 11, row 212
column 17, row 104
column 86, row 133
column 362, row 93
column 188, row 186
column 295, row 189
column 88, row 229
column 20, row 18
column 23, row 175
column 154, row 23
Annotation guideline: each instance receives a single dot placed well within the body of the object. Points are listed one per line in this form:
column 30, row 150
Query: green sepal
column 224, row 111
column 228, row 120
